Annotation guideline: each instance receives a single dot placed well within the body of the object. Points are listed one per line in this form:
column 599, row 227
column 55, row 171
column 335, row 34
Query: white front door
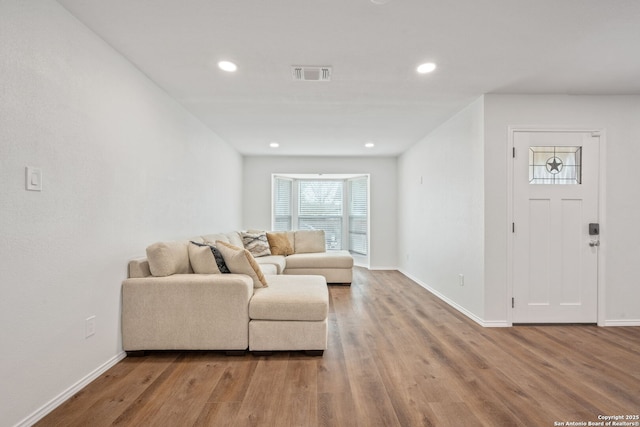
column 555, row 258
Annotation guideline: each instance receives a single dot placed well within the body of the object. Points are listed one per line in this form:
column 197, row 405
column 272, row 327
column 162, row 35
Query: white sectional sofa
column 181, row 297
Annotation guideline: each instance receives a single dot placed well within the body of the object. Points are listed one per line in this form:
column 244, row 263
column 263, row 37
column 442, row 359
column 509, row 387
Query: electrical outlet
column 461, row 279
column 90, row 326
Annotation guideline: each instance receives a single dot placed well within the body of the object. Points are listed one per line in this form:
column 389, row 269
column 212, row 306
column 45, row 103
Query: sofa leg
column 235, row 352
column 314, row 352
column 136, row 353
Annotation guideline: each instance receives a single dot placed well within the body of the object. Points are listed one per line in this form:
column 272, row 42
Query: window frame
column 346, row 217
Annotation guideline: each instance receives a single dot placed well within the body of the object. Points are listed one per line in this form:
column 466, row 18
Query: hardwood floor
column 397, row 356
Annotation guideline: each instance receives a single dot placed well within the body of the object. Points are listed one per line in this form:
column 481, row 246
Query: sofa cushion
column 211, row 239
column 329, row 259
column 256, row 243
column 281, row 243
column 268, row 269
column 302, row 298
column 206, row 259
column 167, row 258
column 240, row 261
column 219, row 259
column 234, row 239
column 277, row 261
column 308, row 241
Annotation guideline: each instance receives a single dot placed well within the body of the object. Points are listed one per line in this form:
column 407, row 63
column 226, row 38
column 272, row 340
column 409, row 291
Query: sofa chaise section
column 290, row 314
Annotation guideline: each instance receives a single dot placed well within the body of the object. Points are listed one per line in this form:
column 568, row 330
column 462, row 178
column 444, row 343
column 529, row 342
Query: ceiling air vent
column 310, row 74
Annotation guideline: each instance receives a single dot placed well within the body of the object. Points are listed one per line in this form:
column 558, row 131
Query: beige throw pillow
column 167, row 258
column 202, row 259
column 280, row 243
column 240, row 261
column 309, row 241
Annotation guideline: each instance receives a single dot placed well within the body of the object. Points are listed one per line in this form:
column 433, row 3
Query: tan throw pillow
column 256, row 243
column 202, row 259
column 280, row 243
column 167, row 258
column 240, row 261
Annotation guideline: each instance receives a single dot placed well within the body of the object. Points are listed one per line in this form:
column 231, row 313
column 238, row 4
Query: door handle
column 594, row 243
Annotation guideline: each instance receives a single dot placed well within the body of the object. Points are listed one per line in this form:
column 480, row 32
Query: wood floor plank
column 300, row 392
column 218, row 414
column 335, row 410
column 264, row 398
column 454, row 414
column 332, row 369
column 397, row 356
column 235, row 380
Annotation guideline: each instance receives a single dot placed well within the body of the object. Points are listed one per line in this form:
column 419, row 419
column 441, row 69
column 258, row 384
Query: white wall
column 123, row 166
column 619, row 117
column 257, row 171
column 441, row 219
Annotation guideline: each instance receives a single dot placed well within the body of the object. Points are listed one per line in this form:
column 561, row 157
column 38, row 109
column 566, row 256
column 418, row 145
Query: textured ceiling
column 480, row 46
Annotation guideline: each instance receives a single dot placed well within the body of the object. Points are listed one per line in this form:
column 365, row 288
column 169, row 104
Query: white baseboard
column 65, row 395
column 470, row 315
column 376, row 268
column 622, row 322
column 496, row 324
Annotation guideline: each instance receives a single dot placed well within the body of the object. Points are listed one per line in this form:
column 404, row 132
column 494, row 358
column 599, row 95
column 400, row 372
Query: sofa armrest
column 186, row 311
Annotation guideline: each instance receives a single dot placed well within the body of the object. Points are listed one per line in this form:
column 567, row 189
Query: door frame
column 601, row 214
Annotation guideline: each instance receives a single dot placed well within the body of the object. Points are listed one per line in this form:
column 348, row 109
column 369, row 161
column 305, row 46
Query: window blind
column 358, row 215
column 320, row 207
column 282, row 204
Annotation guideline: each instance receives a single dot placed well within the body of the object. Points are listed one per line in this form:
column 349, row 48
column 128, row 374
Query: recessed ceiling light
column 425, row 68
column 274, row 145
column 227, row 66
column 369, row 145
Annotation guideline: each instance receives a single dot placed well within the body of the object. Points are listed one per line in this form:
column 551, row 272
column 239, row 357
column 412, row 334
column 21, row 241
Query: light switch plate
column 34, row 179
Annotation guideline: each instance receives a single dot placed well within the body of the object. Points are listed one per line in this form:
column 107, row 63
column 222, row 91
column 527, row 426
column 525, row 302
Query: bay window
column 339, row 206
